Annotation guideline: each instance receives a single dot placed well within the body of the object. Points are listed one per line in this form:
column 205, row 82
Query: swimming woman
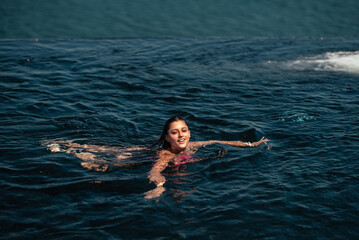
column 176, row 149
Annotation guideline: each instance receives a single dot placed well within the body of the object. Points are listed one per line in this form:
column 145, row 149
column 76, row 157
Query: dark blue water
column 184, row 18
column 302, row 93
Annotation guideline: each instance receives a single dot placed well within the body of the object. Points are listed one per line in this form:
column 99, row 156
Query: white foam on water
column 331, row 61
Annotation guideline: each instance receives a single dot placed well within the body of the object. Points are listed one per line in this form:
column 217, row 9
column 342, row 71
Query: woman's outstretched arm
column 232, row 143
column 155, row 174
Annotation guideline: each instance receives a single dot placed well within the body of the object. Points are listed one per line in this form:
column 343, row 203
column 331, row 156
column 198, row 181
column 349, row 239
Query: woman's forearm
column 235, row 143
column 232, row 143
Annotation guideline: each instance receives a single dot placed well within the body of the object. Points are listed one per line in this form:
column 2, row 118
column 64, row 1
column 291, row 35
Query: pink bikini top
column 183, row 160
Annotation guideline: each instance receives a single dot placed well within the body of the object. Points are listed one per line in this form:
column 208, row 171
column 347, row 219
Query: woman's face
column 178, row 136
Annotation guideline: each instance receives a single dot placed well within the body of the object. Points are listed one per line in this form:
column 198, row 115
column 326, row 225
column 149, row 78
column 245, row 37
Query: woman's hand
column 155, row 192
column 263, row 140
column 157, row 178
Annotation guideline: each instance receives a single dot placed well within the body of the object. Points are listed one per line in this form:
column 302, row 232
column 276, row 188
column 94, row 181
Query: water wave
column 297, row 116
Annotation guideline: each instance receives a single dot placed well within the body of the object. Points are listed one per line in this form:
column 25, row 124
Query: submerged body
column 99, row 158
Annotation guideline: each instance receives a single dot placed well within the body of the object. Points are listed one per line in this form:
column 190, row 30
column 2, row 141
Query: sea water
column 184, row 18
column 301, row 93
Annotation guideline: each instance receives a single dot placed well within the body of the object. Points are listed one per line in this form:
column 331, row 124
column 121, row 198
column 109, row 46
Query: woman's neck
column 177, row 152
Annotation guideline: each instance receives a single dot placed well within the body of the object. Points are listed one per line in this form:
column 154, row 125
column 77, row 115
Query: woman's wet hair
column 162, row 142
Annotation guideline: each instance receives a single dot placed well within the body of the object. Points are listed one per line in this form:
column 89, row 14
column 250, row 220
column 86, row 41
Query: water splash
column 330, row 61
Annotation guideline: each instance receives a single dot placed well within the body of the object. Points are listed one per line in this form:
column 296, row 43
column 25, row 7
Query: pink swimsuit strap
column 181, row 160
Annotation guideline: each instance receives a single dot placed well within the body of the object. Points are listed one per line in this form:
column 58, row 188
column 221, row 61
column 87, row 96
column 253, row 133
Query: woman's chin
column 180, row 148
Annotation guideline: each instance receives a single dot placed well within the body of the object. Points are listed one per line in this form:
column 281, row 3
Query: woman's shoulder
column 164, row 153
column 165, row 156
